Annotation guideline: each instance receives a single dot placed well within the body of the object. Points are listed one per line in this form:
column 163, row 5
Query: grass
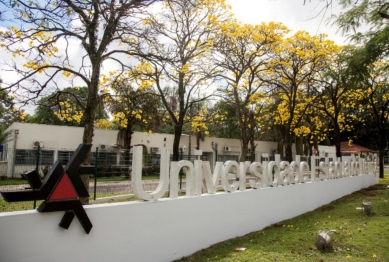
column 356, row 236
column 13, row 181
column 17, row 206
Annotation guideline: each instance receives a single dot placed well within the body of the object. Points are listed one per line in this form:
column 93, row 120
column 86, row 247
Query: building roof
column 345, row 147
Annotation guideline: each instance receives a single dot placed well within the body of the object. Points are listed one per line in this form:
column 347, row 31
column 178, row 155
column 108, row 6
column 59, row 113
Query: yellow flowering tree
column 105, row 124
column 241, row 51
column 46, row 34
column 198, row 119
column 224, row 122
column 296, row 65
column 65, row 107
column 374, row 99
column 267, row 130
column 180, row 39
column 133, row 109
column 335, row 98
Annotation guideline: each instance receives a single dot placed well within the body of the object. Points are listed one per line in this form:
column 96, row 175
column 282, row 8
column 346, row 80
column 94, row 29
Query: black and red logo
column 61, row 189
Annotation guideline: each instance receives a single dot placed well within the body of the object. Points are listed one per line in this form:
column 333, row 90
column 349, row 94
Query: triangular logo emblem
column 60, row 190
column 64, row 189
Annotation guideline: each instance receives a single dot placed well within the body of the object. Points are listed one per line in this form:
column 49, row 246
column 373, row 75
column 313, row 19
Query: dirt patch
column 376, row 187
column 327, row 208
column 368, row 194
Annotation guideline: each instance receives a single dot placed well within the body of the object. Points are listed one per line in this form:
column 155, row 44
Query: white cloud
column 293, row 14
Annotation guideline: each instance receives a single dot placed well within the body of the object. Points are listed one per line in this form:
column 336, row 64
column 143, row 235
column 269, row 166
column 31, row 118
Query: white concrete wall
column 57, row 137
column 68, row 138
column 330, row 150
column 166, row 229
column 3, row 168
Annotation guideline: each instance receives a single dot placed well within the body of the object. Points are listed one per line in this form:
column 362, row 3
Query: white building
column 59, row 142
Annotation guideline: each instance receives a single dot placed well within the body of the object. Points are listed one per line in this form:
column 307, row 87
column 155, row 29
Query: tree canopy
column 189, row 66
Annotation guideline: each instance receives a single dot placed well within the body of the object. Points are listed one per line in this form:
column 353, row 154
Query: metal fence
column 111, row 179
column 106, row 185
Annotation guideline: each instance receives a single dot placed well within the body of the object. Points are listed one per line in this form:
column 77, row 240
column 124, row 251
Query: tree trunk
column 299, row 146
column 176, row 142
column 189, row 146
column 252, row 136
column 280, row 149
column 253, row 147
column 244, row 152
column 381, row 162
column 89, row 115
column 288, row 147
column 88, row 139
column 198, row 136
column 244, row 141
column 381, row 153
column 337, row 140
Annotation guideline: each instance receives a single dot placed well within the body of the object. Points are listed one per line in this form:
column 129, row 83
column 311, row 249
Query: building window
column 153, row 160
column 4, row 153
column 47, row 157
column 125, row 159
column 29, row 157
column 104, row 158
column 64, row 156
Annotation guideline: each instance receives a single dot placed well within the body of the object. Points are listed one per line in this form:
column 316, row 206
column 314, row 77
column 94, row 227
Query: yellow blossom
column 22, row 116
column 66, row 73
